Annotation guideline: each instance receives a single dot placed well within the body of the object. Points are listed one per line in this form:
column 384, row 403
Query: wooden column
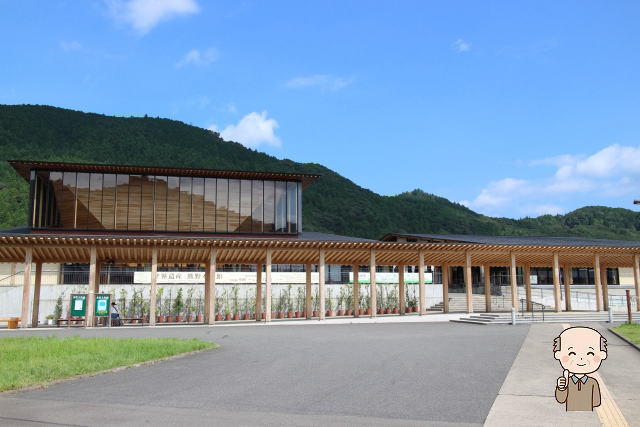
column 445, row 288
column 468, row 285
column 596, row 278
column 259, row 292
column 401, row 291
column 356, row 290
column 321, row 293
column 26, row 287
column 36, row 296
column 308, row 294
column 153, row 292
column 373, row 296
column 211, row 275
column 605, row 288
column 527, row 286
column 267, row 287
column 91, row 298
column 486, row 269
column 513, row 277
column 556, row 284
column 568, row 281
column 421, row 307
column 636, row 279
column 13, row 273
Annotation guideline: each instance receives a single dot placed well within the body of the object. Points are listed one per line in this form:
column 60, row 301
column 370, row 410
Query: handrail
column 523, row 301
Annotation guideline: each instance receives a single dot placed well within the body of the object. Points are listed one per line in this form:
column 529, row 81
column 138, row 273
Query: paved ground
column 346, row 374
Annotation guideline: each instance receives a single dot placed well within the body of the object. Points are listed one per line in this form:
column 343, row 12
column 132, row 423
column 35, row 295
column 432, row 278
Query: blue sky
column 513, row 108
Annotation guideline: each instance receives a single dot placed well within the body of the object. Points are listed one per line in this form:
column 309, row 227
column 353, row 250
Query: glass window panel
column 185, row 203
column 68, row 200
column 257, row 206
column 160, row 203
column 197, row 204
column 82, row 200
column 281, row 206
column 234, row 205
column 245, row 205
column 173, row 198
column 147, row 208
column 56, row 179
column 269, row 206
column 210, row 204
column 94, row 221
column 108, row 201
column 299, row 227
column 135, row 202
column 40, row 200
column 122, row 201
column 292, row 207
column 222, row 191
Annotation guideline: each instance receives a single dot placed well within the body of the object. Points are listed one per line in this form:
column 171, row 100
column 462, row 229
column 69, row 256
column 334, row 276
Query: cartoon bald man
column 580, row 351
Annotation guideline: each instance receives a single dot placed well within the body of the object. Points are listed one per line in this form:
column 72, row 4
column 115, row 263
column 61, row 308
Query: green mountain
column 333, row 204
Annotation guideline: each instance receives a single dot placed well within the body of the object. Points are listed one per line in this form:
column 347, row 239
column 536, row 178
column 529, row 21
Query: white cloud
column 461, row 46
column 612, row 171
column 143, row 15
column 252, row 130
column 324, row 81
column 70, row 45
column 198, row 57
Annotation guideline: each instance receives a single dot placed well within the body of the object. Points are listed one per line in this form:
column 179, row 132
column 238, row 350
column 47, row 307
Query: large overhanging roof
column 23, row 167
column 301, row 249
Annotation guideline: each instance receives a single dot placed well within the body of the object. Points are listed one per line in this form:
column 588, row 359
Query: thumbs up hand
column 563, row 380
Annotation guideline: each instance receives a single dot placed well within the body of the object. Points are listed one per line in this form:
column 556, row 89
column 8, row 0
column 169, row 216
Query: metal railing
column 524, row 309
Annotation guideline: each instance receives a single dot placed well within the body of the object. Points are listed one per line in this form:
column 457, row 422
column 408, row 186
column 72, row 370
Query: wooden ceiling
column 286, row 251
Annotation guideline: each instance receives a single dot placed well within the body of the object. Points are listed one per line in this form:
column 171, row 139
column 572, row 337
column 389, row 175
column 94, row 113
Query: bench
column 12, row 322
column 69, row 321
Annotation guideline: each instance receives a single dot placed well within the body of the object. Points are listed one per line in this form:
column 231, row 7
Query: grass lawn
column 27, row 361
column 630, row 332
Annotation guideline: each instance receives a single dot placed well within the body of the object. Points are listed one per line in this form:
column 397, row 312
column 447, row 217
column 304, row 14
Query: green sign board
column 78, row 305
column 102, row 304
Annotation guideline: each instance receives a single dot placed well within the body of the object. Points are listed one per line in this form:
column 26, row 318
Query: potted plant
column 226, row 305
column 315, row 302
column 57, row 310
column 178, row 306
column 159, row 313
column 236, row 302
column 340, row 305
column 289, row 303
column 246, row 315
column 49, row 319
column 167, row 307
column 299, row 302
column 189, row 305
column 329, row 304
column 349, row 301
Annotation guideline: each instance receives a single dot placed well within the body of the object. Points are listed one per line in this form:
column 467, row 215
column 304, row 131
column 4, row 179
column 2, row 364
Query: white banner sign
column 392, row 277
column 222, row 277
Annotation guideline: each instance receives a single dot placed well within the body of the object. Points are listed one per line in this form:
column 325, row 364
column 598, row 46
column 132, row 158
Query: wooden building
column 92, row 214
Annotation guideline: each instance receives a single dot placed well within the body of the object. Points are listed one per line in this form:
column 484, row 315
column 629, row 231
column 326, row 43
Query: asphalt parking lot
column 363, row 374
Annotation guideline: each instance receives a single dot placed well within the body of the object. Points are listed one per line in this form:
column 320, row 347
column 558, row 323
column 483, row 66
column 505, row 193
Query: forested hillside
column 333, row 204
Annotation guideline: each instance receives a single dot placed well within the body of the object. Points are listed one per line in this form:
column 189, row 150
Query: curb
column 632, row 344
column 106, row 371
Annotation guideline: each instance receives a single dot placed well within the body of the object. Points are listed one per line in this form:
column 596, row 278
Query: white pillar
column 36, row 296
column 91, row 299
column 556, row 283
column 356, row 290
column 258, row 292
column 308, row 295
column 514, row 283
column 527, row 284
column 321, row 293
column 568, row 281
column 211, row 269
column 468, row 282
column 598, row 285
column 26, row 285
column 267, row 287
column 373, row 292
column 486, row 272
column 445, row 288
column 401, row 290
column 636, row 278
column 153, row 292
column 421, row 307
